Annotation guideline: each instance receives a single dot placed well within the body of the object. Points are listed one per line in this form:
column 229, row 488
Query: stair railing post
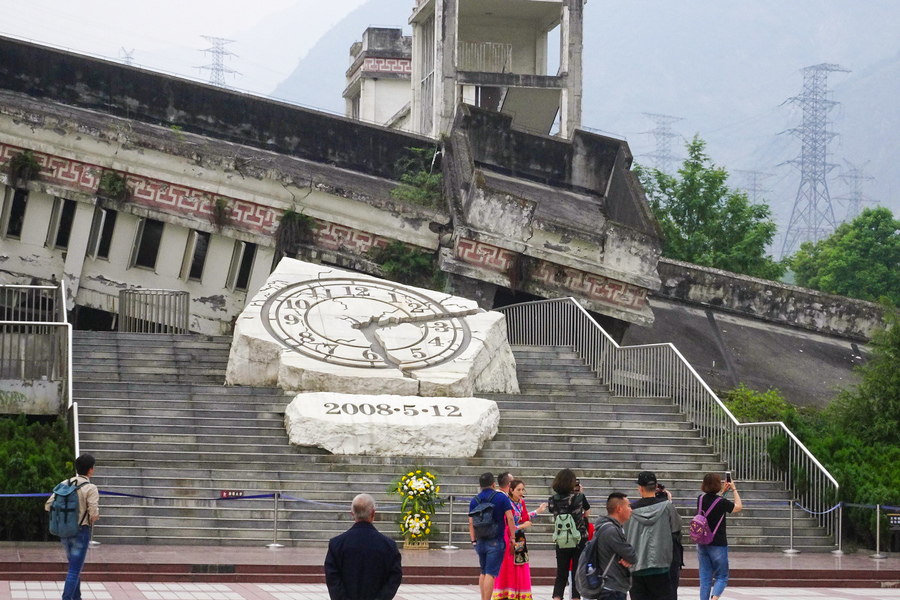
column 878, row 555
column 450, row 547
column 792, row 550
column 840, row 530
column 275, row 544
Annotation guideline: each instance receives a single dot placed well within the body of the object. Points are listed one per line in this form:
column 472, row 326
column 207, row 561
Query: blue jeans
column 713, row 568
column 490, row 555
column 76, row 551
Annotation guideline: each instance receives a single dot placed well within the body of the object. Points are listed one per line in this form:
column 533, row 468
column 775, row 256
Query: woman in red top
column 514, row 581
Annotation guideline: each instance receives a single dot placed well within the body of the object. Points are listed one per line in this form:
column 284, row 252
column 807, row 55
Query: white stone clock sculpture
column 357, row 349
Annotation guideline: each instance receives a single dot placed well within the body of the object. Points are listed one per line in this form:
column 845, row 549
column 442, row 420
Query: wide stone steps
column 153, row 410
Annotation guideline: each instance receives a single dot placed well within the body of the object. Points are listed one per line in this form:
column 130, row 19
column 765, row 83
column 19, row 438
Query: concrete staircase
column 171, row 437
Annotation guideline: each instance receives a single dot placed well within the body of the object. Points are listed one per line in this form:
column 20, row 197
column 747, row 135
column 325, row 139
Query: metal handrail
column 154, row 311
column 659, row 370
column 32, row 311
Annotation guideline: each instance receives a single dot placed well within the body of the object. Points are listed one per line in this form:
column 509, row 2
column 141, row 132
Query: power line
column 217, row 69
column 854, row 177
column 812, row 217
column 663, row 157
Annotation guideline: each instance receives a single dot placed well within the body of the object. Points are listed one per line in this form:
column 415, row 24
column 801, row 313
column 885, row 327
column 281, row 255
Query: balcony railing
column 154, row 311
column 659, row 370
column 484, row 57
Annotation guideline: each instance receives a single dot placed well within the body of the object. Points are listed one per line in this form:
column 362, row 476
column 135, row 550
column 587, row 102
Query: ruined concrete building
column 146, row 180
column 490, row 54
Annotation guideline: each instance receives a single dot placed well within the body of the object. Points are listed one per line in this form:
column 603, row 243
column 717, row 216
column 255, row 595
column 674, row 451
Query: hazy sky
column 165, row 34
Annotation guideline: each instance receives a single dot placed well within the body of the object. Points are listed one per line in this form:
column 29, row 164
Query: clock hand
column 384, row 319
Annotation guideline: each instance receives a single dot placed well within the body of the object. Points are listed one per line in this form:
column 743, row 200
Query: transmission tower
column 753, row 184
column 663, row 133
column 812, row 217
column 127, row 56
column 854, row 177
column 217, row 69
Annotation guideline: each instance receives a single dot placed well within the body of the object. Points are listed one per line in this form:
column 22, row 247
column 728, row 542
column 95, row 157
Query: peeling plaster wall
column 769, row 301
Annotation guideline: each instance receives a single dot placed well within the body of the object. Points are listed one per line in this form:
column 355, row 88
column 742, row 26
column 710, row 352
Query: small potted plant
column 418, row 491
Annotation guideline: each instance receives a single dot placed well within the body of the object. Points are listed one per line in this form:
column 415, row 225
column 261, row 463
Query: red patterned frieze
column 339, row 237
column 61, row 171
column 387, row 65
column 595, row 287
column 484, row 255
column 193, row 203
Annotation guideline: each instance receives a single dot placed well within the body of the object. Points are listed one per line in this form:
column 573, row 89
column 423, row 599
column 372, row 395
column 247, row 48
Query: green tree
column 872, row 409
column 707, row 223
column 861, row 259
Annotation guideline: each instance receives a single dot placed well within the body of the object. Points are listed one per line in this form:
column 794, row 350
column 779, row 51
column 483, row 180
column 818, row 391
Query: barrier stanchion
column 450, row 547
column 840, row 531
column 878, row 555
column 275, row 545
column 792, row 550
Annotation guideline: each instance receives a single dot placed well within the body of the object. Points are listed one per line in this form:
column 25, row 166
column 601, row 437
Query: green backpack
column 565, row 532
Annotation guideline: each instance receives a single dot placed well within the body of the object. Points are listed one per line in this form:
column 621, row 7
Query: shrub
column 294, row 229
column 22, row 168
column 34, row 457
column 408, row 265
column 422, row 182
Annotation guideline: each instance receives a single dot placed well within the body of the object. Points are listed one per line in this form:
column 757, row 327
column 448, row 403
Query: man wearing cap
column 651, row 532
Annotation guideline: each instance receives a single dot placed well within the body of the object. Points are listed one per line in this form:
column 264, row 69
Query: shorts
column 490, row 555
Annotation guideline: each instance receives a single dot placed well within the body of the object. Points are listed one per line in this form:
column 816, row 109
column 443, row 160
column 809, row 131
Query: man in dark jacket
column 652, row 530
column 362, row 564
column 613, row 550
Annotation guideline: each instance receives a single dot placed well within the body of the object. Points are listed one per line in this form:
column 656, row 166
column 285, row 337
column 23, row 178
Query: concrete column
column 572, row 38
column 415, row 105
column 78, row 243
column 446, row 38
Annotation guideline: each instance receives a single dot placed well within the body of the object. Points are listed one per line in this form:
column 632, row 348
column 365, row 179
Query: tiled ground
column 34, row 590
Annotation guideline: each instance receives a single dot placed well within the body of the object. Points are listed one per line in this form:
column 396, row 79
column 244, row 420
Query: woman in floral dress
column 514, row 581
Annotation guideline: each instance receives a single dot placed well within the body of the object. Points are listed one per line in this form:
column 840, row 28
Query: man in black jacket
column 362, row 563
column 612, row 548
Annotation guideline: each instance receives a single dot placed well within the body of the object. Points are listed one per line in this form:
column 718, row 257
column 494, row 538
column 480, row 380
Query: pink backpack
column 700, row 532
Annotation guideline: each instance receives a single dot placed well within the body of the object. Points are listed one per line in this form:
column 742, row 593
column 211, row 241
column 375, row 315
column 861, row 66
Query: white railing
column 36, row 339
column 754, row 451
column 484, row 57
column 154, row 311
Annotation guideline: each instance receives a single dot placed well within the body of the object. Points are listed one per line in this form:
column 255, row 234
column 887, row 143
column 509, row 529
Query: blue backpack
column 64, row 518
column 483, row 519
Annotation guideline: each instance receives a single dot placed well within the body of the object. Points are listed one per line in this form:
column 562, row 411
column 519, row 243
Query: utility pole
column 812, row 217
column 663, row 133
column 854, row 177
column 753, row 184
column 217, row 68
column 127, row 56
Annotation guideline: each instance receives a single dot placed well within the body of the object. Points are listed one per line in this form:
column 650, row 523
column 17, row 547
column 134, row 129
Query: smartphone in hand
column 728, row 476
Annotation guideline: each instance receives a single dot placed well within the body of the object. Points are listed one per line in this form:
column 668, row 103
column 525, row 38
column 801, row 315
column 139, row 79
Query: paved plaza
column 34, row 590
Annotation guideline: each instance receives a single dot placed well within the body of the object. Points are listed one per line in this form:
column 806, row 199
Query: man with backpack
column 74, row 506
column 608, row 555
column 491, row 529
column 652, row 531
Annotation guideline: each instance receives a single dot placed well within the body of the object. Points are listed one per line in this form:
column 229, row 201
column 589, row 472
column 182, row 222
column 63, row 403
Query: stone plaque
column 317, row 328
column 387, row 425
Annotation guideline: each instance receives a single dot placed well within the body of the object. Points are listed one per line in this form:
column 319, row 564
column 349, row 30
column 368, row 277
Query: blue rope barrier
column 886, row 507
column 806, row 510
column 860, row 505
column 24, row 495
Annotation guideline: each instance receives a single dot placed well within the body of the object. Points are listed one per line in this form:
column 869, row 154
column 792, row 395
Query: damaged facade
column 210, row 173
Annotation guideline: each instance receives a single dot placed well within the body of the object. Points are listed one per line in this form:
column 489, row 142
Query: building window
column 241, row 266
column 195, row 256
column 13, row 217
column 146, row 244
column 61, row 219
column 101, row 233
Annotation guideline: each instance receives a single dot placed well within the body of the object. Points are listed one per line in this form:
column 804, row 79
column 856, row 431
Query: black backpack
column 483, row 519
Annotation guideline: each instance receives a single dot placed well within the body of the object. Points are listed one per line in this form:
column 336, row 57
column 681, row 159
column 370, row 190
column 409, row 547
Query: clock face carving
column 366, row 323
